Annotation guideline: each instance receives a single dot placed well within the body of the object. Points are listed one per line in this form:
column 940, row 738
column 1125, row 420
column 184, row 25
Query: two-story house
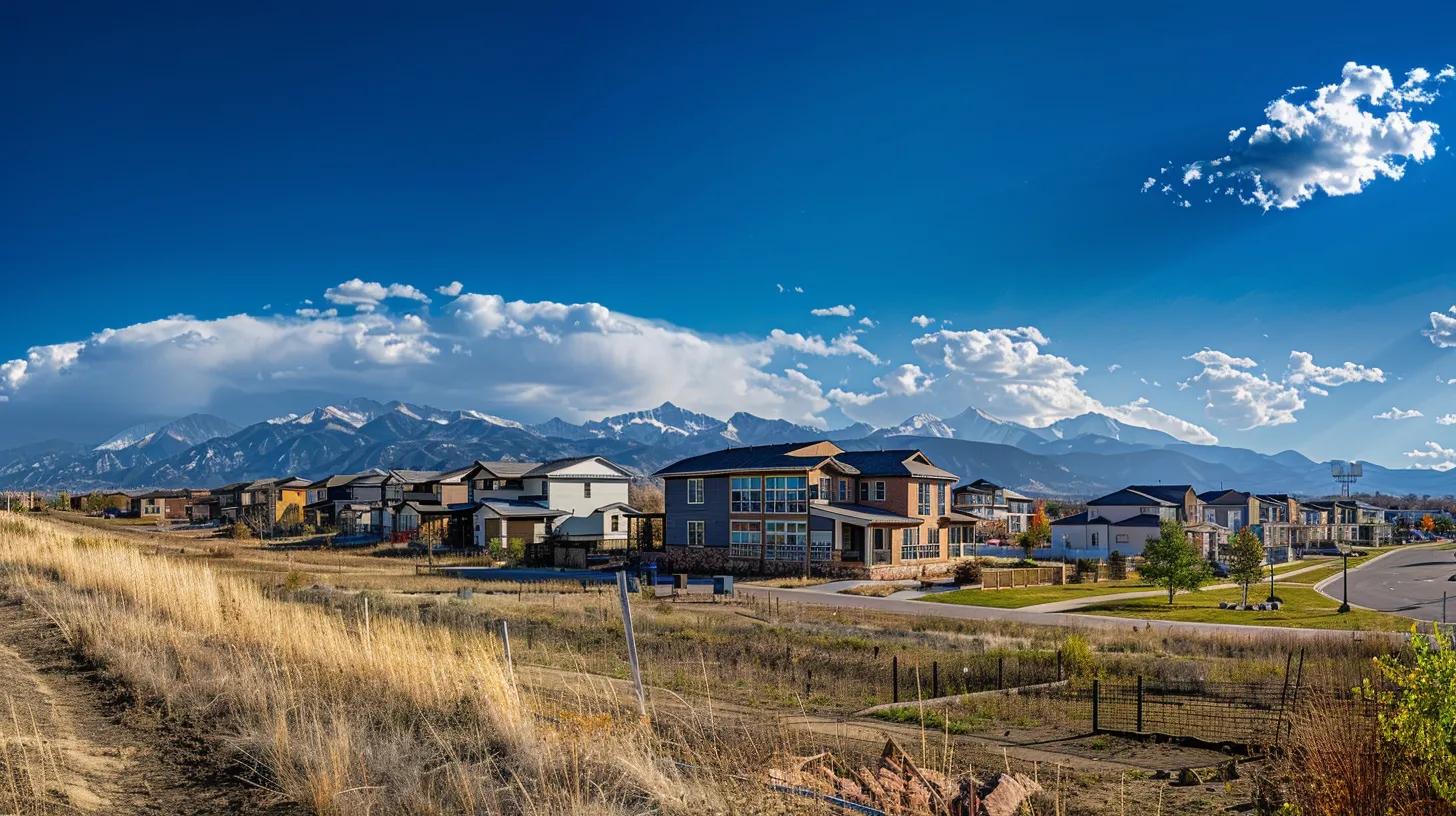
column 578, row 503
column 808, row 506
column 993, row 502
column 1123, row 521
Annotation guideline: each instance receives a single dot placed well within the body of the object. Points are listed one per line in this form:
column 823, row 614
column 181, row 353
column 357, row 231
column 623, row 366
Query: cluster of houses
column 894, row 513
column 579, row 504
column 757, row 509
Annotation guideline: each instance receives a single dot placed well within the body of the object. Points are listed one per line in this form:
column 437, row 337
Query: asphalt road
column 1405, row 582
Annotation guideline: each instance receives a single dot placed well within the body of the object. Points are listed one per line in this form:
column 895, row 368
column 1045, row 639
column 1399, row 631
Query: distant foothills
column 1077, row 457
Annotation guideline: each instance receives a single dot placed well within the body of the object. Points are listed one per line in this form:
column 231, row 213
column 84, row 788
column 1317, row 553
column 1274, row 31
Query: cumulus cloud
column 1398, row 413
column 1442, row 332
column 923, row 321
column 365, row 296
column 846, row 344
column 1432, row 450
column 906, row 380
column 450, row 289
column 1446, row 419
column 867, row 322
column 1338, row 141
column 526, row 358
column 834, row 311
column 1235, row 394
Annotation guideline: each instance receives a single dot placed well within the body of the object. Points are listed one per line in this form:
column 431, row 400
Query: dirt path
column 91, row 748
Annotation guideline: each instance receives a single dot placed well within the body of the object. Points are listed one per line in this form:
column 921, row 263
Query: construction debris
column 898, row 786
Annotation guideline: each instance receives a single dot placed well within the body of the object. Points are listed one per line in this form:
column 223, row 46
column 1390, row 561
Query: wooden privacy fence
column 1022, row 577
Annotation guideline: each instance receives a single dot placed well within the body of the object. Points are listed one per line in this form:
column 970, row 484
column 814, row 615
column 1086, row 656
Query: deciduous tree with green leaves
column 1038, row 533
column 1172, row 562
column 1246, row 560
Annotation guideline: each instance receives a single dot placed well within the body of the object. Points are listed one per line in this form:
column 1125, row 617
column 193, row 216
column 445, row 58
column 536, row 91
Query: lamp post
column 1271, row 580
column 1345, row 604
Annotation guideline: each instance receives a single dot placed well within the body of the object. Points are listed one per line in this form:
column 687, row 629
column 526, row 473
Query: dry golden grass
column 398, row 717
column 30, row 767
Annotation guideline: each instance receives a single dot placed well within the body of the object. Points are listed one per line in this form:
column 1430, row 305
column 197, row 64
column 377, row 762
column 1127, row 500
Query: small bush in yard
column 968, row 572
column 1077, row 657
column 240, row 531
column 1420, row 715
column 1117, row 566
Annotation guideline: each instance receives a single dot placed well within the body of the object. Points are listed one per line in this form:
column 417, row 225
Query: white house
column 585, row 499
column 1122, row 521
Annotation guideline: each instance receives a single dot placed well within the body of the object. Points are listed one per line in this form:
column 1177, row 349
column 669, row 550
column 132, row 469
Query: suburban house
column 161, row 505
column 578, row 503
column 353, row 504
column 993, row 502
column 812, row 505
column 1123, row 521
column 102, row 500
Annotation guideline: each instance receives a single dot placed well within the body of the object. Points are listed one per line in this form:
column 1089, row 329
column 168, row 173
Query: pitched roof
column 752, row 457
column 905, row 462
column 417, row 476
column 1225, row 498
column 1129, row 496
column 861, row 513
column 1170, row 493
column 1141, row 520
column 505, row 470
column 1076, row 519
column 330, row 481
column 548, row 468
column 512, row 508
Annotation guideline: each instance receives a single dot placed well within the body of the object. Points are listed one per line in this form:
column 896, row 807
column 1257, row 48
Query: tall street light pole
column 1345, row 604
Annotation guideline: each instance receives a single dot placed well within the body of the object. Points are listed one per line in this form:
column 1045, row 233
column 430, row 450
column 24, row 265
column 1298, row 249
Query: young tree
column 1172, row 562
column 1445, row 525
column 1038, row 533
column 1246, row 560
column 1116, row 565
column 1428, row 524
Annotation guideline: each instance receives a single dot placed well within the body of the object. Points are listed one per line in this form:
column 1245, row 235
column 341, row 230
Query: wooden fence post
column 1096, row 698
column 1139, row 703
column 935, row 678
column 1001, row 671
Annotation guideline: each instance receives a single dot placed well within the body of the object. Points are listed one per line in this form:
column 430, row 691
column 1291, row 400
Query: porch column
column 838, row 544
column 504, row 533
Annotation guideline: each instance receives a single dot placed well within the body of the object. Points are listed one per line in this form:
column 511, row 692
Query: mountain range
column 1076, row 457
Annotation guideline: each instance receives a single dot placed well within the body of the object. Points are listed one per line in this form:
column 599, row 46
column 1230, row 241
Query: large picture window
column 786, row 494
column 746, row 494
column 745, row 540
column 785, row 540
column 911, row 549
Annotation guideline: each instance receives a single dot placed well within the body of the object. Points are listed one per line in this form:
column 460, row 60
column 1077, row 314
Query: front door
column 881, row 538
column 853, row 544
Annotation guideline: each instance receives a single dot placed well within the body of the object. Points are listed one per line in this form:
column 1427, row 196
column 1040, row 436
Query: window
column 1120, row 538
column 955, row 536
column 821, row 545
column 786, row 494
column 744, row 540
column 912, row 550
column 933, row 535
column 922, row 504
column 696, row 534
column 844, row 490
column 616, row 524
column 586, row 490
column 1094, row 539
column 864, row 491
column 940, row 499
column 879, row 491
column 745, row 494
column 785, row 540
column 825, row 488
column 879, row 538
column 695, row 491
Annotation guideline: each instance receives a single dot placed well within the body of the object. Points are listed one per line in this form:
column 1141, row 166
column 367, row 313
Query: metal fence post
column 1001, row 671
column 505, row 636
column 894, row 678
column 1096, row 698
column 631, row 643
column 1139, row 703
column 935, row 678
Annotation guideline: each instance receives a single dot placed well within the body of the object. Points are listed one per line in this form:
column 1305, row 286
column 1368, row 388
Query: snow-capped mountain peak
column 922, row 425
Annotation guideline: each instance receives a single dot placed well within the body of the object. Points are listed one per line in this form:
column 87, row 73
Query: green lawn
column 1030, row 596
column 1303, row 607
column 1333, row 568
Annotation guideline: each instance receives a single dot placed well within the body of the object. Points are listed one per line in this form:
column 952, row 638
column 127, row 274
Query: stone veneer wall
column 715, row 560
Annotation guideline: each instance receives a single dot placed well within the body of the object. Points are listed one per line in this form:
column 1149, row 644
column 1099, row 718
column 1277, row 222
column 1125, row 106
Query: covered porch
column 856, row 534
column 503, row 525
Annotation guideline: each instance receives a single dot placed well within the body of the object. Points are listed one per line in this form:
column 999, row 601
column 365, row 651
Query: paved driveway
column 1404, row 582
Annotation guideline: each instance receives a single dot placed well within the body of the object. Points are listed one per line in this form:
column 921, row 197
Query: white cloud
column 1442, row 332
column 834, row 311
column 1440, row 466
column 1432, row 450
column 1303, row 371
column 906, row 380
column 365, row 296
column 867, row 322
column 923, row 321
column 1338, row 142
column 312, row 312
column 846, row 344
column 1446, row 419
column 1112, row 369
column 1398, row 413
column 529, row 359
column 1235, row 395
column 450, row 289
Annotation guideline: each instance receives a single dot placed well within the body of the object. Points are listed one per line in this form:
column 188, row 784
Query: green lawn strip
column 1030, row 596
column 1334, row 568
column 1303, row 607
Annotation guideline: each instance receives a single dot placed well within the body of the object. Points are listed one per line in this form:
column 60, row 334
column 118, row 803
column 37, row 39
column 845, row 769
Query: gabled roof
column 1142, row 520
column 416, row 476
column 331, row 481
column 548, row 468
column 758, row 457
column 426, row 508
column 512, row 508
column 502, row 470
column 1129, row 496
column 1074, row 520
column 906, row 462
column 979, row 486
column 163, row 494
column 1174, row 494
column 1224, row 498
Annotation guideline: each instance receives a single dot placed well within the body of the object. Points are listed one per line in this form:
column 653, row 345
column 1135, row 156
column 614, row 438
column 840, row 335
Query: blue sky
column 980, row 166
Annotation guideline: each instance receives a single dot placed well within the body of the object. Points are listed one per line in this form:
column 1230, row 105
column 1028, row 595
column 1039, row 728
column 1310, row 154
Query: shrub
column 1419, row 716
column 1077, row 657
column 239, row 531
column 968, row 572
column 1117, row 566
column 1085, row 568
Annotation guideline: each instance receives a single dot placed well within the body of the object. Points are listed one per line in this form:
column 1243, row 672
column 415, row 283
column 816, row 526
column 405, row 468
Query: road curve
column 1402, row 582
